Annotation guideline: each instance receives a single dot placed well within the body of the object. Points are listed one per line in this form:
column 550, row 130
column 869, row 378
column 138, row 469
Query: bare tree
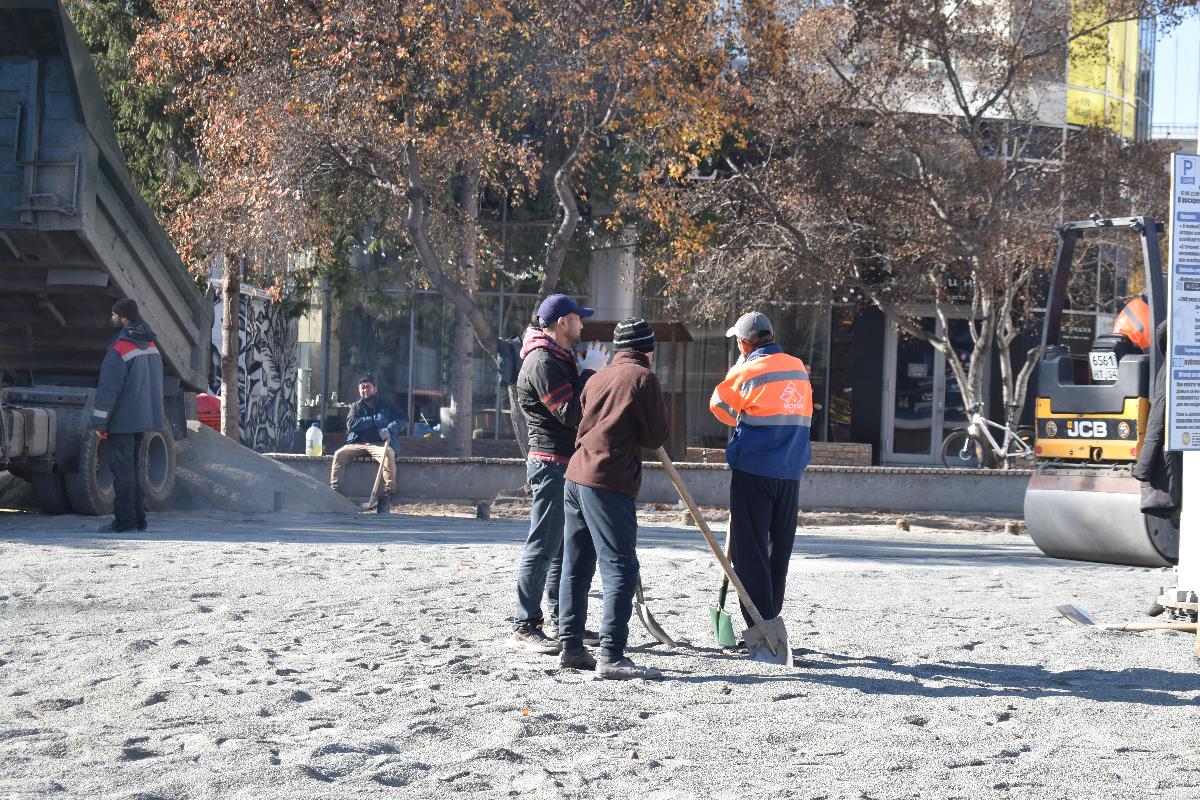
column 914, row 153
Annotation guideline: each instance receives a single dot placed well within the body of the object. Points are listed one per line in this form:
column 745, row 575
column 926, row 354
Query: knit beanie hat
column 127, row 307
column 634, row 334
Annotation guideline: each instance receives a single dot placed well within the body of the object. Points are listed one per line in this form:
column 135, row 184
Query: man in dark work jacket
column 548, row 390
column 623, row 412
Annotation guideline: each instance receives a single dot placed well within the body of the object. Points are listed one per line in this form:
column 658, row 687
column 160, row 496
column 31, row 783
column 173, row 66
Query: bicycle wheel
column 961, row 450
column 1022, row 459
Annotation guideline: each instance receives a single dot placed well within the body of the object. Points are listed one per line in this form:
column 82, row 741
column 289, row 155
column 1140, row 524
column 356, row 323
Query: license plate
column 1104, row 367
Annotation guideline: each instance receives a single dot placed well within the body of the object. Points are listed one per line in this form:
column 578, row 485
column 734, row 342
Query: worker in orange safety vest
column 767, row 399
column 1134, row 322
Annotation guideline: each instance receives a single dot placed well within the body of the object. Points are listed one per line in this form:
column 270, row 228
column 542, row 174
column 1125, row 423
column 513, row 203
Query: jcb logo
column 1087, row 429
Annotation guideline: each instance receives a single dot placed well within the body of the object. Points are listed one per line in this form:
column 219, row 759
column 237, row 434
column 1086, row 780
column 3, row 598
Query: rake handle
column 726, row 566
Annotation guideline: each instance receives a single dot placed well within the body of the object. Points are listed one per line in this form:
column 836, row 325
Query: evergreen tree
column 155, row 140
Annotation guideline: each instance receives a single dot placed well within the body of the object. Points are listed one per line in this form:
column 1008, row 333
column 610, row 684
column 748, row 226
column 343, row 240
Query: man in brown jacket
column 623, row 412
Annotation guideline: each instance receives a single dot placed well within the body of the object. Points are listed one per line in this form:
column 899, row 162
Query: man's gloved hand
column 595, row 359
column 394, row 427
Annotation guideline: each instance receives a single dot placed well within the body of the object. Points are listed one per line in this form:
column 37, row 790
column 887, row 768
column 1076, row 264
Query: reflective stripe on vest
column 770, row 377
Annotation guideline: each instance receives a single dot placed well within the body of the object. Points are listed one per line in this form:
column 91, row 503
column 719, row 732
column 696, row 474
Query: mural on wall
column 268, row 358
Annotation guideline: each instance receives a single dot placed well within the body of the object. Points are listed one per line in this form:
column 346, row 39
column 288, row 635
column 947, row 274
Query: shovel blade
column 652, row 626
column 768, row 642
column 722, row 625
column 1076, row 614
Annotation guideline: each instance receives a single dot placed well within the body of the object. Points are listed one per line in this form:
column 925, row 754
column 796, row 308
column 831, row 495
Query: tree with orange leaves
column 403, row 114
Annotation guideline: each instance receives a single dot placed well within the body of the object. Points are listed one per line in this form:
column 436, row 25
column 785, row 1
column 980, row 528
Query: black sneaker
column 141, row 526
column 625, row 670
column 590, row 638
column 576, row 659
column 532, row 640
column 113, row 527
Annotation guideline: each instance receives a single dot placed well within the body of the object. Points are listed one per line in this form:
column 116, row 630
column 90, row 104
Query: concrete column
column 1189, row 525
column 613, row 280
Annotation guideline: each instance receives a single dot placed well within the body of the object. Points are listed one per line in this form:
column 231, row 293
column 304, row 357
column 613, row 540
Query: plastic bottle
column 314, row 441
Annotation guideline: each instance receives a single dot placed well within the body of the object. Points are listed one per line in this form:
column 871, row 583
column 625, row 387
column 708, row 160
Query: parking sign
column 1183, row 380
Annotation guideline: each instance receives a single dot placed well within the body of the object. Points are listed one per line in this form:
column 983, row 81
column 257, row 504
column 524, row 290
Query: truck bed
column 75, row 235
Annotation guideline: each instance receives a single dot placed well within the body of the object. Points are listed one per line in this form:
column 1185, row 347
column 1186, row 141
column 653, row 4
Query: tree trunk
column 231, row 295
column 462, row 385
column 560, row 242
column 462, row 388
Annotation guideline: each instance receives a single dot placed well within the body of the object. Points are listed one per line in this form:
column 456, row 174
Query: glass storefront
column 405, row 341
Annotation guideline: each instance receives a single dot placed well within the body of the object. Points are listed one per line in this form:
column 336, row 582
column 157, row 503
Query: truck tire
column 50, row 493
column 157, row 475
column 91, row 488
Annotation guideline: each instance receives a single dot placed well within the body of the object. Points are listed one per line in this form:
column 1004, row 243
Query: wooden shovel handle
column 726, row 567
column 1138, row 627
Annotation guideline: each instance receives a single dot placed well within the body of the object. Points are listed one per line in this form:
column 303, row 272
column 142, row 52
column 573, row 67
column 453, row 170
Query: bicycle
column 973, row 447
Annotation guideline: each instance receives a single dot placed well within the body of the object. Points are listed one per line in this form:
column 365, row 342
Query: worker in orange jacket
column 1134, row 322
column 767, row 399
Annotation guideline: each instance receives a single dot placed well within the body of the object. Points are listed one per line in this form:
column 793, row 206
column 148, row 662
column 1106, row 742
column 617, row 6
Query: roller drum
column 1097, row 518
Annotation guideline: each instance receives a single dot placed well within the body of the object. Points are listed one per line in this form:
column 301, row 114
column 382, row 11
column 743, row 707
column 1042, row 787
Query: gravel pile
column 323, row 656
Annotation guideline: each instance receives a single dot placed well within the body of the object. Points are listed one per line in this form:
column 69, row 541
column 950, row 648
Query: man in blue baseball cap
column 548, row 389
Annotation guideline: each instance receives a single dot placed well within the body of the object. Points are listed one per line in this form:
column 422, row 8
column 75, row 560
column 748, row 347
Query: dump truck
column 1083, row 501
column 75, row 236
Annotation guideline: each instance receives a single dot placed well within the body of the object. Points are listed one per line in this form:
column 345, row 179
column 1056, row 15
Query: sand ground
column 290, row 656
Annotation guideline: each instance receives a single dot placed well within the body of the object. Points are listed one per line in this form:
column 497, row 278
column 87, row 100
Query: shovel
column 1082, row 617
column 648, row 620
column 721, row 621
column 766, row 639
column 373, row 501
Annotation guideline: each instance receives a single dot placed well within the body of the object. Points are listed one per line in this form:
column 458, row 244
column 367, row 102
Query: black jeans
column 601, row 526
column 762, row 524
column 124, row 459
column 541, row 560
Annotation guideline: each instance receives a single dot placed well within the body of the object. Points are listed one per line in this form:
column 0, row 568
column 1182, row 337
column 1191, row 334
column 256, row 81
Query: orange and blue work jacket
column 768, row 400
column 1134, row 322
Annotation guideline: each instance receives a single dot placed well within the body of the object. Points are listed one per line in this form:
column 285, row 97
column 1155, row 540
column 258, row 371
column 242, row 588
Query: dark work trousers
column 601, row 527
column 762, row 522
column 124, row 457
column 541, row 561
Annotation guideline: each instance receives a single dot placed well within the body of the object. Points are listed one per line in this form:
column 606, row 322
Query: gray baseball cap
column 748, row 326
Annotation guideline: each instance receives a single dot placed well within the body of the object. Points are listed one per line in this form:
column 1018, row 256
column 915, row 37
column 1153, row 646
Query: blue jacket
column 368, row 417
column 129, row 397
column 768, row 400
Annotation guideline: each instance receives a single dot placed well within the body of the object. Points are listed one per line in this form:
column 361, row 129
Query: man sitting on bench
column 370, row 425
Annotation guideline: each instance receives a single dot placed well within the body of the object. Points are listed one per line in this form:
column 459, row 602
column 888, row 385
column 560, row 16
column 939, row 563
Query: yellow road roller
column 1083, row 502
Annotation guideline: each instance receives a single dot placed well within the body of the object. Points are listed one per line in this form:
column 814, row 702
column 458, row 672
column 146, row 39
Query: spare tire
column 157, row 475
column 91, row 488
